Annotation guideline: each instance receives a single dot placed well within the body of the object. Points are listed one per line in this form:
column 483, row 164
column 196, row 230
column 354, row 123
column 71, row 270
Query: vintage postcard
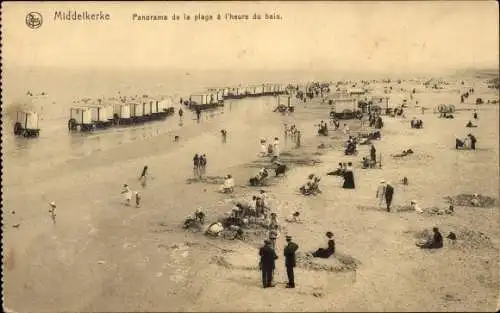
column 250, row 156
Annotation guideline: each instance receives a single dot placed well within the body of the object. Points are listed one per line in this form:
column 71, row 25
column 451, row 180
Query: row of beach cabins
column 88, row 114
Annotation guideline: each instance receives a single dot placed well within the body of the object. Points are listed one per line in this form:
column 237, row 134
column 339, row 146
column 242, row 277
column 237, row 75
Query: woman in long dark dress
column 326, row 253
column 349, row 177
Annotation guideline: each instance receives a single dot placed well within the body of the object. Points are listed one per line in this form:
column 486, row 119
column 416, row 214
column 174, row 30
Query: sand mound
column 471, row 239
column 215, row 180
column 437, row 211
column 245, row 258
column 465, row 200
column 338, row 262
column 466, row 238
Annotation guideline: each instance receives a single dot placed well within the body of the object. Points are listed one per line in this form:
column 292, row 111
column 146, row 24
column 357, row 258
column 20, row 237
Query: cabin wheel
column 72, row 125
column 359, row 115
column 17, row 128
column 116, row 119
column 26, row 134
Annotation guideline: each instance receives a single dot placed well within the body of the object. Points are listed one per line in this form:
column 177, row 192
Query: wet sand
column 102, row 256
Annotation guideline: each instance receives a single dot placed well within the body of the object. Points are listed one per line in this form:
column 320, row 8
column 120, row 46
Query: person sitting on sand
column 326, row 253
column 338, row 172
column 312, row 186
column 436, row 242
column 475, row 200
column 294, row 218
column 414, row 205
column 470, row 125
column 365, row 163
column 403, row 154
column 473, row 141
column 214, row 229
column 280, row 168
column 228, row 185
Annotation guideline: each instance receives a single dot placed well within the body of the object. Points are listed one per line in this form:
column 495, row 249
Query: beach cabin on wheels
column 284, row 104
column 203, row 101
column 380, row 105
column 80, row 118
column 121, row 113
column 26, row 124
column 345, row 108
column 236, row 93
column 101, row 115
column 137, row 111
column 268, row 89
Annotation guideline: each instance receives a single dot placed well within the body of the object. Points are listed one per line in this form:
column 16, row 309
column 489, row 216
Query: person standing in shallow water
column 223, row 133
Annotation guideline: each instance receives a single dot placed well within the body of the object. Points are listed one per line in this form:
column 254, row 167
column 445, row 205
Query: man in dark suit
column 290, row 263
column 267, row 263
column 389, row 193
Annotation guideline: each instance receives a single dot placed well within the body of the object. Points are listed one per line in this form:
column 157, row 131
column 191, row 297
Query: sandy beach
column 103, row 256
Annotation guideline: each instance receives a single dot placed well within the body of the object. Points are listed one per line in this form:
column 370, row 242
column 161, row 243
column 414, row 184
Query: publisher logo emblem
column 34, row 20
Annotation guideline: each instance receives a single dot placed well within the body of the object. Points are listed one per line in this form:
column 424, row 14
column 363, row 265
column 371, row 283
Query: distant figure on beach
column 349, row 177
column 223, row 133
column 436, row 242
column 388, row 195
column 290, row 262
column 176, row 138
column 298, row 140
column 127, row 194
column 196, row 166
column 267, row 263
column 198, row 114
column 263, row 148
column 373, row 154
column 137, row 199
column 276, row 147
column 380, row 195
column 228, row 186
column 294, row 218
column 326, row 253
column 181, row 112
column 202, row 165
column 475, row 115
column 414, row 205
column 52, row 212
column 346, row 129
column 144, row 176
column 470, row 125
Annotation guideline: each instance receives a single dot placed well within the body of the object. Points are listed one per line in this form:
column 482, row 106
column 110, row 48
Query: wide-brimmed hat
column 329, row 234
column 267, row 242
column 53, row 204
column 288, row 237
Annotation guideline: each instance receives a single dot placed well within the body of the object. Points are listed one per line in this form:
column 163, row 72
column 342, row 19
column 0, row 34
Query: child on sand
column 127, row 194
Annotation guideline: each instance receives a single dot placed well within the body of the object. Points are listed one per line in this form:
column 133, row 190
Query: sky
column 358, row 36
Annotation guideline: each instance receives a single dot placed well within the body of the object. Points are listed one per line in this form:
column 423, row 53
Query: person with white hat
column 127, row 194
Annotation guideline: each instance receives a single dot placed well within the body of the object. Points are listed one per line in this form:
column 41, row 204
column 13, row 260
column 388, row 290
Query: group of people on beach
column 199, row 165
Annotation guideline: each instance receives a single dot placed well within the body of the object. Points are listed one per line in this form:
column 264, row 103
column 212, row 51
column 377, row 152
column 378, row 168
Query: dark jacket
column 289, row 253
column 267, row 257
column 389, row 191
